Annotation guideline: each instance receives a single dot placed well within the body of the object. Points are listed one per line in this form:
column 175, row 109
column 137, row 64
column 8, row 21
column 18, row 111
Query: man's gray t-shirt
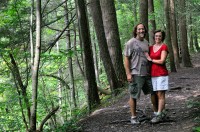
column 135, row 49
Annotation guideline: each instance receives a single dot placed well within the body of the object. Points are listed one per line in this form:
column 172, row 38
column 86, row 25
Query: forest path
column 184, row 85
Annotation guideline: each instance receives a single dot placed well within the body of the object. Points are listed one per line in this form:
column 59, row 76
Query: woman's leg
column 154, row 101
column 161, row 101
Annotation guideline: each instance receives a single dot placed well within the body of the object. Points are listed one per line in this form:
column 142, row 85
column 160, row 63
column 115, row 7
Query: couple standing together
column 146, row 70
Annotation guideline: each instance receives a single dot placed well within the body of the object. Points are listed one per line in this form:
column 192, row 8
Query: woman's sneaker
column 158, row 118
column 135, row 121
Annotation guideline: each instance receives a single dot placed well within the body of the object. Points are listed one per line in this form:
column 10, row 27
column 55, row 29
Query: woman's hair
column 162, row 32
column 135, row 30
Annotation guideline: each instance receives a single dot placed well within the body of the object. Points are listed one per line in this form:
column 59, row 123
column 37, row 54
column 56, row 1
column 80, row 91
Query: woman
column 159, row 73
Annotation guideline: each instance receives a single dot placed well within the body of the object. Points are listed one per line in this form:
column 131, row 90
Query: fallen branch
column 104, row 91
column 175, row 88
column 47, row 117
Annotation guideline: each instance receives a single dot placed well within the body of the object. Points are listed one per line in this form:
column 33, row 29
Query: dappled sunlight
column 178, row 97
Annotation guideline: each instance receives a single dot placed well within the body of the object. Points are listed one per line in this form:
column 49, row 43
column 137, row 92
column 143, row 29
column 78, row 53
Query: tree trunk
column 69, row 58
column 152, row 21
column 35, row 68
column 21, row 89
column 31, row 32
column 75, row 50
column 60, row 87
column 135, row 12
column 95, row 11
column 96, row 54
column 144, row 15
column 191, row 43
column 183, row 36
column 112, row 37
column 168, row 36
column 90, row 81
column 173, row 32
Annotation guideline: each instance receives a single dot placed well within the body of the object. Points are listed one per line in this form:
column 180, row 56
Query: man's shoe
column 135, row 121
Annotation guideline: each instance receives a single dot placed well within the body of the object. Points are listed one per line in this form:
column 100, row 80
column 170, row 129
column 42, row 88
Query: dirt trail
column 185, row 86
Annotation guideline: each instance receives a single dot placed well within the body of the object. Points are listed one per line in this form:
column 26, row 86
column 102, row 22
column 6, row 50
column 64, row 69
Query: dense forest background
column 59, row 56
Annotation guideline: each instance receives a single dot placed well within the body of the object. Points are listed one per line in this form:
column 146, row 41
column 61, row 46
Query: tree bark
column 35, row 68
column 152, row 21
column 69, row 58
column 90, row 81
column 173, row 32
column 144, row 15
column 112, row 37
column 95, row 11
column 183, row 35
column 191, row 43
column 135, row 14
column 96, row 54
column 168, row 36
column 53, row 111
column 31, row 32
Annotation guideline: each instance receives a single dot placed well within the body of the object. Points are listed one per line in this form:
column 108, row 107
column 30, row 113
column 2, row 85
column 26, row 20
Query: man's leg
column 134, row 119
column 132, row 104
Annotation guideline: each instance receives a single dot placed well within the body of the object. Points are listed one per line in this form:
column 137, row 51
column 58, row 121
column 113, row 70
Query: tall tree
column 173, row 32
column 69, row 58
column 152, row 21
column 95, row 54
column 95, row 11
column 20, row 87
column 190, row 28
column 35, row 68
column 112, row 37
column 135, row 12
column 183, row 35
column 144, row 15
column 61, row 120
column 31, row 32
column 168, row 36
column 90, row 81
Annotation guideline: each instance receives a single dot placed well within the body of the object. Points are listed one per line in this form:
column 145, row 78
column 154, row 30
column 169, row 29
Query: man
column 137, row 69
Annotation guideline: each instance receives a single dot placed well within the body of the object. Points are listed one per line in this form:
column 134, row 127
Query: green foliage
column 125, row 21
column 9, row 112
column 14, row 21
column 159, row 13
column 14, row 39
column 196, row 129
column 195, row 104
column 192, row 103
column 69, row 126
column 103, row 77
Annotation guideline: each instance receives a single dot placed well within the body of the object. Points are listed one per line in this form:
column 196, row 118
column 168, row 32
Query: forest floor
column 184, row 87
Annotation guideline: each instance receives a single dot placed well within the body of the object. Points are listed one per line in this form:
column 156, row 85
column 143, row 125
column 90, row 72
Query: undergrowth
column 195, row 105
